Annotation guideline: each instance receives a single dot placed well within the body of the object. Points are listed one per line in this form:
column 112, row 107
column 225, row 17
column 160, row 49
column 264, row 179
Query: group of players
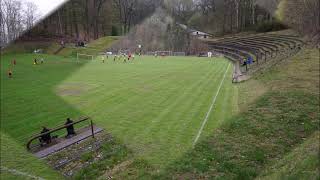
column 13, row 63
column 36, row 61
column 125, row 57
column 128, row 57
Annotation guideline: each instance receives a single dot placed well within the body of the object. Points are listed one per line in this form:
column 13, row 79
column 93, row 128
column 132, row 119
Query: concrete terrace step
column 84, row 134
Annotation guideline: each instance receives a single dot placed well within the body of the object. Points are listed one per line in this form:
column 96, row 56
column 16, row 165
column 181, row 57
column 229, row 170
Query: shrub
column 268, row 26
column 114, row 31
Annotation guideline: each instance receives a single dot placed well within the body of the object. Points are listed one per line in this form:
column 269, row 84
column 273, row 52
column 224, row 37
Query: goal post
column 124, row 52
column 164, row 53
column 84, row 56
column 179, row 54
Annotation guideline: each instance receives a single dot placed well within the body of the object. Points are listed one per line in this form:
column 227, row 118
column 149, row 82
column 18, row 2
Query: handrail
column 54, row 130
column 241, row 52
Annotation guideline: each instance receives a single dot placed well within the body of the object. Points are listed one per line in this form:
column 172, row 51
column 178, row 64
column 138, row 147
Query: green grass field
column 153, row 106
column 265, row 128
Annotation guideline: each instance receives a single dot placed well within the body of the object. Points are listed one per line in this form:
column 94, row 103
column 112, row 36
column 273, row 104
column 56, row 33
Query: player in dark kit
column 115, row 58
column 124, row 58
column 10, row 73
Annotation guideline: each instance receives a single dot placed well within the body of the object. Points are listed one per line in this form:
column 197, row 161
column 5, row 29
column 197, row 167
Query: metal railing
column 37, row 136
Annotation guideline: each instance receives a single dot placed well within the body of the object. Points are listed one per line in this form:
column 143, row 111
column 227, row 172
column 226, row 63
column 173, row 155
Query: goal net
column 164, row 53
column 179, row 53
column 84, row 57
column 124, row 52
column 150, row 53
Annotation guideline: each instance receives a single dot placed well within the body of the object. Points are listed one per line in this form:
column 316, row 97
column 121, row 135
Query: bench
column 258, row 46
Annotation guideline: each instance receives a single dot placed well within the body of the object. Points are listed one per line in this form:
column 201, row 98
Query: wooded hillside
column 222, row 16
column 304, row 16
column 91, row 19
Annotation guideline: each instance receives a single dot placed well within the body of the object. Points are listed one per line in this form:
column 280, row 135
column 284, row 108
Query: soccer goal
column 124, row 52
column 84, row 57
column 150, row 53
column 179, row 53
column 164, row 53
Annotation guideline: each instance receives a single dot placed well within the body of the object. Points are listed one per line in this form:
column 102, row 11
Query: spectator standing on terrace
column 70, row 128
column 244, row 62
column 62, row 43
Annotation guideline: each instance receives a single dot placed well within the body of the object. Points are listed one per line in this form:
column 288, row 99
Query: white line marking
column 210, row 109
column 16, row 172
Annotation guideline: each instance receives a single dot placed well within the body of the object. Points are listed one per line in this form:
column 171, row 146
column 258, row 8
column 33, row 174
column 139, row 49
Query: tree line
column 302, row 15
column 15, row 18
column 222, row 16
column 91, row 19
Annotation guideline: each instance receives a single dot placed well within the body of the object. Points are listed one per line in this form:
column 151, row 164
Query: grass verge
column 266, row 132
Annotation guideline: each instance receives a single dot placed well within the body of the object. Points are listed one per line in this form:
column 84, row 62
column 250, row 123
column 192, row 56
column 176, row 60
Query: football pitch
column 158, row 107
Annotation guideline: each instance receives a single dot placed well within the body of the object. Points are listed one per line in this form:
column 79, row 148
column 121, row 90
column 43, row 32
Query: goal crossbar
column 86, row 55
column 167, row 53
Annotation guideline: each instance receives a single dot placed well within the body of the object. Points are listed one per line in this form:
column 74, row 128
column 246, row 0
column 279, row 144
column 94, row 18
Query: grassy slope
column 29, row 47
column 301, row 163
column 95, row 47
column 267, row 131
column 14, row 156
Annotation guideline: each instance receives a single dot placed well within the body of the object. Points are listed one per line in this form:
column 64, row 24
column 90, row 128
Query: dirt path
column 108, row 174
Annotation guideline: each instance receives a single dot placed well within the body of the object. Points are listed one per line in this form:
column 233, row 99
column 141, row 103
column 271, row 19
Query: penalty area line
column 19, row 173
column 210, row 109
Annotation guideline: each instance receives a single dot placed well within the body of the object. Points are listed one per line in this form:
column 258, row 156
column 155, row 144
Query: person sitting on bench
column 46, row 138
column 70, row 128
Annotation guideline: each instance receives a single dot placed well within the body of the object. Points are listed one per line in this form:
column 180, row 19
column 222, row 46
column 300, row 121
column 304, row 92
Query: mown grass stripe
column 210, row 108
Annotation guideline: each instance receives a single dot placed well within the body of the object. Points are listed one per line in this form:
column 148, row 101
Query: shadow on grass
column 28, row 99
column 31, row 100
column 28, row 102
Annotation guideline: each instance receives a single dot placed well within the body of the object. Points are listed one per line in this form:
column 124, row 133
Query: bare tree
column 15, row 19
column 126, row 11
column 12, row 22
column 302, row 15
column 30, row 13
